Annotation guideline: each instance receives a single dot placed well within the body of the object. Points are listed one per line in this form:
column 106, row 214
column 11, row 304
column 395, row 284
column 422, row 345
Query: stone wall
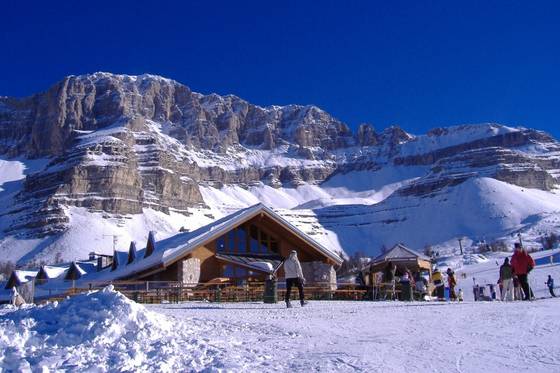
column 189, row 271
column 319, row 273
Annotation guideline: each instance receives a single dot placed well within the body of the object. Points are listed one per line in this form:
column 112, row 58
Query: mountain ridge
column 117, row 145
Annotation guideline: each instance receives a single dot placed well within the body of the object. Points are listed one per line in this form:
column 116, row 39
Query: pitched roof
column 173, row 248
column 50, row 272
column 400, row 252
column 19, row 277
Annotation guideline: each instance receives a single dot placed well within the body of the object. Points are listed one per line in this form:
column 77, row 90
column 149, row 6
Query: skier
column 506, row 279
column 438, row 282
column 451, row 282
column 294, row 276
column 550, row 284
column 522, row 263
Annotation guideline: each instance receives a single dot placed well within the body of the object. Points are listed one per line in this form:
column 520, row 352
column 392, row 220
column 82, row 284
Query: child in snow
column 506, row 280
column 550, row 284
column 460, row 296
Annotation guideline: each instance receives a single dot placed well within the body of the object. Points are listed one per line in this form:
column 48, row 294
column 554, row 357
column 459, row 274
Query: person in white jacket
column 294, row 276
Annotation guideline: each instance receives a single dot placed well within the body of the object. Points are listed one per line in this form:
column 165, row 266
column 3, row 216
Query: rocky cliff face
column 120, row 143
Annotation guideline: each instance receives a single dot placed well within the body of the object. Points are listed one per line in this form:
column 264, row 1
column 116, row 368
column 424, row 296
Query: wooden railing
column 174, row 292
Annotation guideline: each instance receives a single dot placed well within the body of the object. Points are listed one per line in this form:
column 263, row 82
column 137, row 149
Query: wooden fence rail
column 174, row 292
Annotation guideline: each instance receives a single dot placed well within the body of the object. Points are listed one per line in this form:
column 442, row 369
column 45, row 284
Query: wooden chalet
column 248, row 245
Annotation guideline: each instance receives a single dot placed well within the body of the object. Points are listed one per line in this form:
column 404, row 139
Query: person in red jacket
column 522, row 263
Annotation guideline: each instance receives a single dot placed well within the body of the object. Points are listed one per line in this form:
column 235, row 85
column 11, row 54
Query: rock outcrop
column 120, row 143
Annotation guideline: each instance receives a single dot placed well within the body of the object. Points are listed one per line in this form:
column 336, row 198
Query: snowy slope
column 478, row 209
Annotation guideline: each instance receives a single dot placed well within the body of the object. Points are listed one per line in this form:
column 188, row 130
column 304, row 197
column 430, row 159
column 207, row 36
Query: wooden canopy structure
column 404, row 258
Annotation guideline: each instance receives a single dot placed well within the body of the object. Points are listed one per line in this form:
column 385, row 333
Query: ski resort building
column 248, row 245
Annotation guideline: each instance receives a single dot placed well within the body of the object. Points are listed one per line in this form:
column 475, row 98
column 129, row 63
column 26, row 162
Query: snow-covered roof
column 24, row 276
column 51, row 272
column 400, row 252
column 171, row 249
column 19, row 277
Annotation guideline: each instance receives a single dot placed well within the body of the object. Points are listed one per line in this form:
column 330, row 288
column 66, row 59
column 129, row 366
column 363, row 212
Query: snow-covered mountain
column 106, row 155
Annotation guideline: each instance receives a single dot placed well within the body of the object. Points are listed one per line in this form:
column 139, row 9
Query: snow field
column 384, row 336
column 104, row 331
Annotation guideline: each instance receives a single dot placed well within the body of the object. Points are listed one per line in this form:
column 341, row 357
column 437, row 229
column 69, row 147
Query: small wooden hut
column 404, row 258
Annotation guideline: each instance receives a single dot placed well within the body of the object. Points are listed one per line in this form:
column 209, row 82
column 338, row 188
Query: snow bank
column 98, row 331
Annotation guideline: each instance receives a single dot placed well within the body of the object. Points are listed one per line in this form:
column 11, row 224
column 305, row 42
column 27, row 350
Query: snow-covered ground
column 103, row 331
column 384, row 337
column 85, row 334
column 487, row 272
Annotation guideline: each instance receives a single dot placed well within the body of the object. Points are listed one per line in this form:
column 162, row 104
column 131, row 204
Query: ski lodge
column 246, row 246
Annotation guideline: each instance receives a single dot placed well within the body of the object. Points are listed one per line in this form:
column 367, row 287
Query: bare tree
column 6, row 268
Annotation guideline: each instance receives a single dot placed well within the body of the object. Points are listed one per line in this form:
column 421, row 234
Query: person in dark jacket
column 389, row 280
column 389, row 273
column 517, row 291
column 506, row 279
column 522, row 263
column 451, row 282
column 550, row 284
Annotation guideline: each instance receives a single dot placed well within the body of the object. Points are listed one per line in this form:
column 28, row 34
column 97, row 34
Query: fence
column 551, row 259
column 174, row 292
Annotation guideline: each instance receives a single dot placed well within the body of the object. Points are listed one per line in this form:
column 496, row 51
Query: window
column 221, row 244
column 254, row 245
column 231, row 241
column 274, row 245
column 241, row 239
column 239, row 275
column 228, row 271
column 264, row 242
column 247, row 239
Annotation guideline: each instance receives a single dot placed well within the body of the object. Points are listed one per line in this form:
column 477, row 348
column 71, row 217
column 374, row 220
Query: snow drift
column 99, row 331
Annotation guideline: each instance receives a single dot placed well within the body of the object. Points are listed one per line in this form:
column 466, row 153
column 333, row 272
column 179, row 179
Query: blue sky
column 419, row 64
